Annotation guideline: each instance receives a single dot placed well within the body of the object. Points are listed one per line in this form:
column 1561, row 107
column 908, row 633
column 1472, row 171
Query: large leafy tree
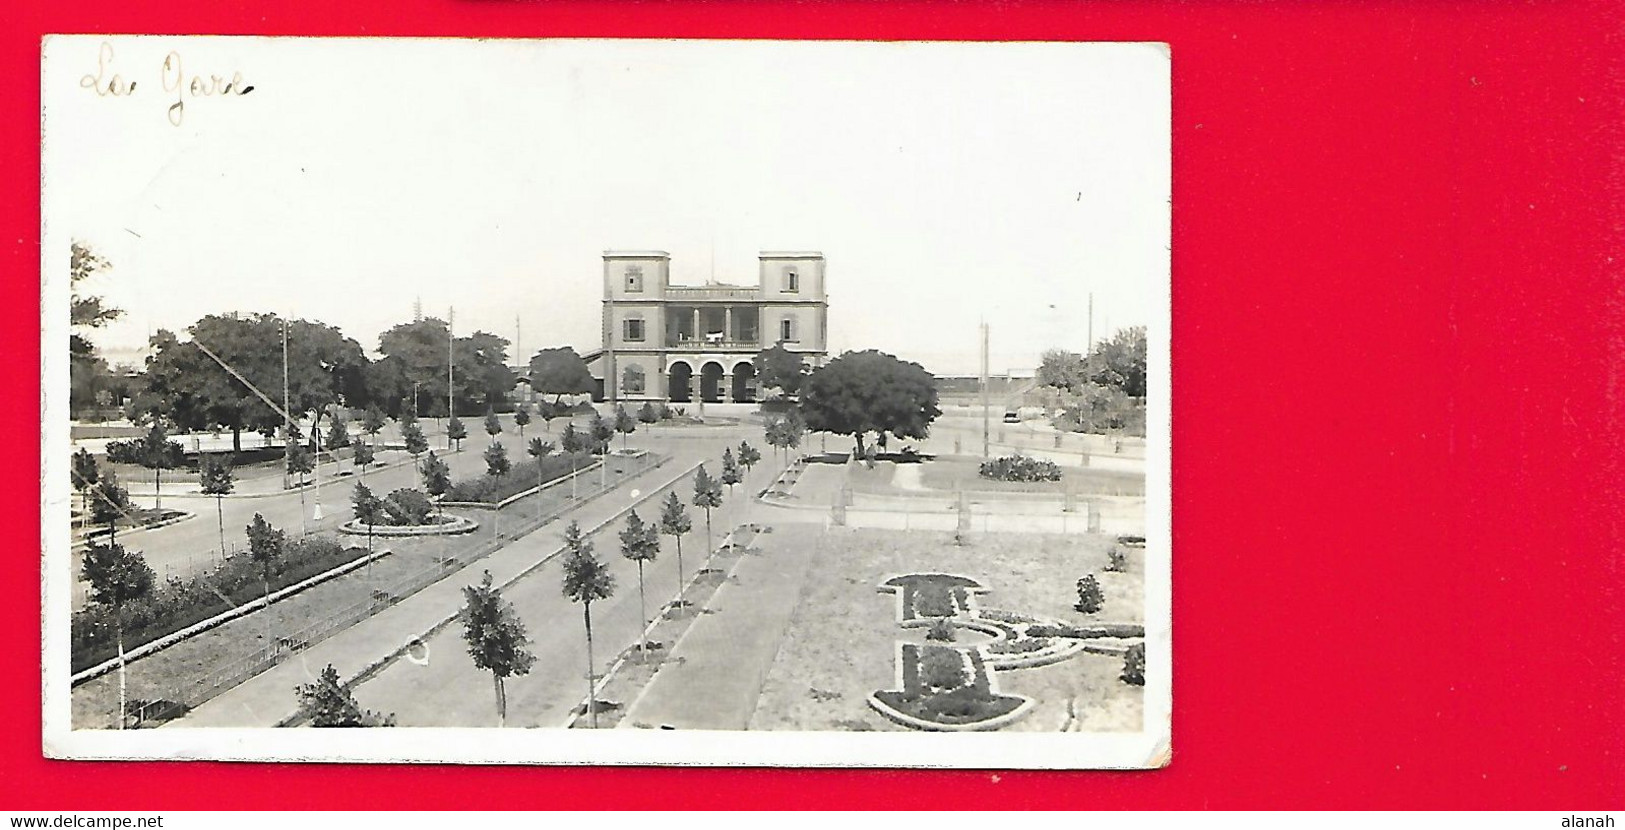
column 116, row 578
column 1120, row 361
column 674, row 522
column 781, row 369
column 640, row 543
column 185, row 385
column 496, row 638
column 88, row 375
column 870, row 391
column 586, row 580
column 560, row 371
column 414, row 359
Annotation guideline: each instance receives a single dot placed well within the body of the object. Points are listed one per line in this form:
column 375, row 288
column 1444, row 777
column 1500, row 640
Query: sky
column 945, row 183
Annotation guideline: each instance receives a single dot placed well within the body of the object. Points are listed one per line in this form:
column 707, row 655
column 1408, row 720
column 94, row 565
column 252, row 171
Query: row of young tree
column 495, row 635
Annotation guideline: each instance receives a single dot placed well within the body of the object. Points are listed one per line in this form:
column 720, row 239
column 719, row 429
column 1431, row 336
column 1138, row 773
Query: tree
column 109, row 502
column 647, row 413
column 87, row 371
column 415, row 357
column 85, row 474
column 369, row 509
column 497, row 464
column 521, row 417
column 493, row 425
column 708, row 496
column 870, row 391
column 784, row 432
column 190, row 389
column 328, row 704
column 539, row 450
column 1061, row 369
column 625, row 424
column 1120, row 361
column 216, row 479
column 571, row 439
column 548, row 411
column 640, row 543
column 780, row 368
column 265, row 548
column 674, row 522
column 749, row 456
column 436, row 476
column 416, row 444
column 586, row 579
column 362, row 458
column 1090, row 597
column 560, row 371
column 158, row 453
column 337, row 438
column 730, row 471
column 496, row 638
column 455, row 431
column 601, row 429
column 373, row 422
column 117, row 578
column 300, row 463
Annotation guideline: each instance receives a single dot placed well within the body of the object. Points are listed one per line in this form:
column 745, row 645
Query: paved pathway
column 267, row 698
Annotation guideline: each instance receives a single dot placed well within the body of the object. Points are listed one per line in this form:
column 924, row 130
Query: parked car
column 1010, row 417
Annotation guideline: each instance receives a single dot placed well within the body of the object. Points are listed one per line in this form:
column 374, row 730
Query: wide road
column 193, row 544
column 447, row 689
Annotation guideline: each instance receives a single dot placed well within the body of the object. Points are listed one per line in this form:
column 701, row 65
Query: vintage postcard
column 606, row 402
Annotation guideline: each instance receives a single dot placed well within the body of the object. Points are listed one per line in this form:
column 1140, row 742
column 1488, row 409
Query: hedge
column 490, row 490
column 181, row 602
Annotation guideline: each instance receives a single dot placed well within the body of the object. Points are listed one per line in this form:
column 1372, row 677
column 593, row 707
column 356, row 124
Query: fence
column 461, row 551
column 985, row 511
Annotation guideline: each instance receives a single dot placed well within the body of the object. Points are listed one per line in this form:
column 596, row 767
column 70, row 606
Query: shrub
column 408, row 507
column 1116, row 559
column 1024, row 646
column 941, row 631
column 1090, row 597
column 942, row 668
column 1134, row 665
column 961, row 703
column 180, row 602
column 521, row 478
column 1020, row 468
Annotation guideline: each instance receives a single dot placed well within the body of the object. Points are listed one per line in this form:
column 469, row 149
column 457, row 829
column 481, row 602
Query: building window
column 787, row 330
column 792, row 282
column 632, row 380
column 634, row 280
column 634, row 331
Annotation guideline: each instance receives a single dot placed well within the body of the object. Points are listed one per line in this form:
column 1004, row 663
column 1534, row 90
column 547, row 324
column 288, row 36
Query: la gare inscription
column 177, row 82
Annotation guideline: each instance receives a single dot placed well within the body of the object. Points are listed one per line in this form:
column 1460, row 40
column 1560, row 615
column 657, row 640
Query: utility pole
column 985, row 402
column 451, row 396
column 287, row 420
column 1091, row 327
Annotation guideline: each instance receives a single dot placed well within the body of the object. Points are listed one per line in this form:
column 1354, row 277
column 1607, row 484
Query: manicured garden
column 524, row 476
column 179, row 603
column 844, row 639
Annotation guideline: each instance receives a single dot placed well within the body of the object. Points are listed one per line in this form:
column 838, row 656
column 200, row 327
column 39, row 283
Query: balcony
column 713, row 343
column 711, row 293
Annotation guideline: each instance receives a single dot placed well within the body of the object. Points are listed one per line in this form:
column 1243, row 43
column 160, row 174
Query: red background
column 1398, row 339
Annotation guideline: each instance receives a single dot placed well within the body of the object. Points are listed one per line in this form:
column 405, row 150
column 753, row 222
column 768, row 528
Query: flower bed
column 489, row 490
column 1020, row 468
column 179, row 603
column 946, row 688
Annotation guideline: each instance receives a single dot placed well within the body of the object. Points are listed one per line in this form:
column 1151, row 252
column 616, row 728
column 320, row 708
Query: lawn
column 840, row 644
column 951, row 473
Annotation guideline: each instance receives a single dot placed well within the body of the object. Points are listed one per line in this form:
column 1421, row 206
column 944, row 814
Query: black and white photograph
column 606, row 401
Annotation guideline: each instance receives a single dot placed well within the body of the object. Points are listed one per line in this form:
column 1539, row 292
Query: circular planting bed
column 446, row 526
